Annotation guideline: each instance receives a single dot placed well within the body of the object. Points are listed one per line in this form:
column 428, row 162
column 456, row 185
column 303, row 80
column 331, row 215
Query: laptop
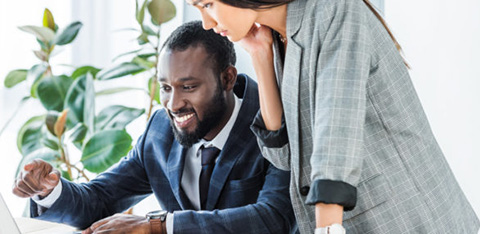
column 9, row 226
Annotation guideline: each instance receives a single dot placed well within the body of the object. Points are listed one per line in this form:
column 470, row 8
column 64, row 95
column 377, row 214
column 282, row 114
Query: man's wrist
column 157, row 220
column 157, row 226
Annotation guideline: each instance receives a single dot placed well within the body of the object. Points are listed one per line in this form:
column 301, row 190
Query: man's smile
column 184, row 120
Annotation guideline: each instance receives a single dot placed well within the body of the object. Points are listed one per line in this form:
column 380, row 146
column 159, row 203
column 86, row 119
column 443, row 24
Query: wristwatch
column 332, row 229
column 157, row 221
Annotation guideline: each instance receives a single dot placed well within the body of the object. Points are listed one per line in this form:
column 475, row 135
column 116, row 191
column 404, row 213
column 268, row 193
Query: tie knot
column 209, row 154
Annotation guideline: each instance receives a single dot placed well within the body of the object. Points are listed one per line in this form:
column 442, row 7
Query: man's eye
column 164, row 88
column 188, row 87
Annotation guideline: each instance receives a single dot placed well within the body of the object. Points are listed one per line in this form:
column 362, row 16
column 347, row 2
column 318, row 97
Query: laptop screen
column 7, row 223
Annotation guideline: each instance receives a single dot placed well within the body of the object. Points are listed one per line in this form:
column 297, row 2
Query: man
column 206, row 105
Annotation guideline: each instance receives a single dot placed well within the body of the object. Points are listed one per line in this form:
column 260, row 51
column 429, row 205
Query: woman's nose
column 207, row 21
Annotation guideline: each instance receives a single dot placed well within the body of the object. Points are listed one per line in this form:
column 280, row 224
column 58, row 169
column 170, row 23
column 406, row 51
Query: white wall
column 16, row 52
column 441, row 41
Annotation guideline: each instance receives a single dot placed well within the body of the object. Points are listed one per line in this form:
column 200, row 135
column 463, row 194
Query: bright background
column 441, row 41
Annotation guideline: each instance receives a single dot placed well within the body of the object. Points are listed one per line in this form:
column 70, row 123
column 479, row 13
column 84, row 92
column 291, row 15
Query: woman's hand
column 258, row 40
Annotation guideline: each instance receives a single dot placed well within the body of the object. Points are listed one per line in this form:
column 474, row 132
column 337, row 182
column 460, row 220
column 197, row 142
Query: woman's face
column 228, row 21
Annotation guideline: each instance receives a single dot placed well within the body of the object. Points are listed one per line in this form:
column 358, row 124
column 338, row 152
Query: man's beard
column 210, row 120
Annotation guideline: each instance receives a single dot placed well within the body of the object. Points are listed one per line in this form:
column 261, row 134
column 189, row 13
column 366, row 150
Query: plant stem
column 65, row 158
column 153, row 86
column 81, row 172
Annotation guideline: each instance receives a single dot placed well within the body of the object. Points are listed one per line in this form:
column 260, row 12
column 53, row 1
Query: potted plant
column 70, row 118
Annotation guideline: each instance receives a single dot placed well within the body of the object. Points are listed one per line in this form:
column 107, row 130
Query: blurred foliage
column 69, row 99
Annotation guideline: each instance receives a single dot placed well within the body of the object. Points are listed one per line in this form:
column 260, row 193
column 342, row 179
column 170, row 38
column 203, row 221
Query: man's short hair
column 192, row 34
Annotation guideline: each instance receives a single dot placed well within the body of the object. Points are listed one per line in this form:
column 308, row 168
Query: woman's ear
column 229, row 78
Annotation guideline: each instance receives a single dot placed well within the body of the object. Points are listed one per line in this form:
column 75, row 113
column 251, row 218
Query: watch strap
column 157, row 226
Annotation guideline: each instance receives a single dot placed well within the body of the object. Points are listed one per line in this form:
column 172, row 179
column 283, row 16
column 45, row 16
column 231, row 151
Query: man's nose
column 175, row 102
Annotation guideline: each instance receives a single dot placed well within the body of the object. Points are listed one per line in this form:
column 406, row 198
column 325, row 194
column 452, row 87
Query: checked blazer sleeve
column 340, row 105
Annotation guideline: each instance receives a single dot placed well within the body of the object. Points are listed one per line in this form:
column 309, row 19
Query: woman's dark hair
column 256, row 4
column 219, row 48
column 265, row 4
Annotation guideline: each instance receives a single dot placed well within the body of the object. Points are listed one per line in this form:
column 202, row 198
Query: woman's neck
column 275, row 18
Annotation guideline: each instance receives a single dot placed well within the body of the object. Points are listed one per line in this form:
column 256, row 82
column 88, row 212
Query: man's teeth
column 184, row 118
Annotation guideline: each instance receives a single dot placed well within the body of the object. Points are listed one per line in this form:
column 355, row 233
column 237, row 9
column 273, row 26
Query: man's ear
column 229, row 78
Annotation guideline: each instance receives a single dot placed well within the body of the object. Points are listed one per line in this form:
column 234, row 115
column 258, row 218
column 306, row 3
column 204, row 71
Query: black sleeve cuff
column 270, row 139
column 332, row 192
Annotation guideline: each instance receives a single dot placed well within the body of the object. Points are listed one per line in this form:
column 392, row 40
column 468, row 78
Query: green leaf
column 105, row 149
column 140, row 13
column 42, row 55
column 147, row 55
column 117, row 90
column 68, row 34
column 44, row 46
column 84, row 70
column 126, row 53
column 14, row 77
column 50, row 120
column 120, row 70
column 116, row 117
column 143, row 62
column 157, row 90
column 50, row 143
column 52, row 91
column 161, row 11
column 65, row 175
column 46, row 154
column 36, row 74
column 48, row 20
column 78, row 133
column 142, row 39
column 42, row 33
column 79, row 96
column 29, row 135
column 89, row 109
column 149, row 31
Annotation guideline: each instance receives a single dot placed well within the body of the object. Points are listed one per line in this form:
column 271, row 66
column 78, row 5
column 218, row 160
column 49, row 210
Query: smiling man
column 197, row 156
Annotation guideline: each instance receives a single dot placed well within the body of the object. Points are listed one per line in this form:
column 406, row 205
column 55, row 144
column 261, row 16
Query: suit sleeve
column 80, row 205
column 273, row 144
column 340, row 105
column 272, row 213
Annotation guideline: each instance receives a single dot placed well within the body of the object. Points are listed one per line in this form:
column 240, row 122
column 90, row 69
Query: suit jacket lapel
column 232, row 150
column 176, row 161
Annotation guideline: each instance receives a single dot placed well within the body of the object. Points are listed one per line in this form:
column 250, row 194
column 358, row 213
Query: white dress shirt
column 191, row 169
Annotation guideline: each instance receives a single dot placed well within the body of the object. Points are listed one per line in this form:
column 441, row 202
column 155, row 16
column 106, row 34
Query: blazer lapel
column 227, row 159
column 233, row 150
column 291, row 78
column 290, row 96
column 176, row 161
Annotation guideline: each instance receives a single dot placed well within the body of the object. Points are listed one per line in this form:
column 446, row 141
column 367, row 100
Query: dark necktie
column 208, row 163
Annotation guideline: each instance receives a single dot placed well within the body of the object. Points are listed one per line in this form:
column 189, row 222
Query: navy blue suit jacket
column 246, row 195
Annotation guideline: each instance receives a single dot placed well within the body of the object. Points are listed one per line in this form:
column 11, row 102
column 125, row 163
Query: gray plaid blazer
column 357, row 133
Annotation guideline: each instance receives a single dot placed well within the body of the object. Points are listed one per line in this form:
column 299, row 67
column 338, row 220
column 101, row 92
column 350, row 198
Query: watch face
column 336, row 229
column 158, row 214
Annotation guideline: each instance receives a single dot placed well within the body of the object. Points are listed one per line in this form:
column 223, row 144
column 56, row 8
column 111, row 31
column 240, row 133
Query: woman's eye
column 207, row 5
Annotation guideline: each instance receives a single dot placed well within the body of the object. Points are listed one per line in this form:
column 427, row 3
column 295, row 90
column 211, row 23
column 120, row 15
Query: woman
column 339, row 111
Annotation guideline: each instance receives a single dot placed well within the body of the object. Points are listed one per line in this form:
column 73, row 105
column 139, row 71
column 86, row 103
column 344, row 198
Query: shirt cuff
column 169, row 223
column 332, row 192
column 48, row 201
column 270, row 139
